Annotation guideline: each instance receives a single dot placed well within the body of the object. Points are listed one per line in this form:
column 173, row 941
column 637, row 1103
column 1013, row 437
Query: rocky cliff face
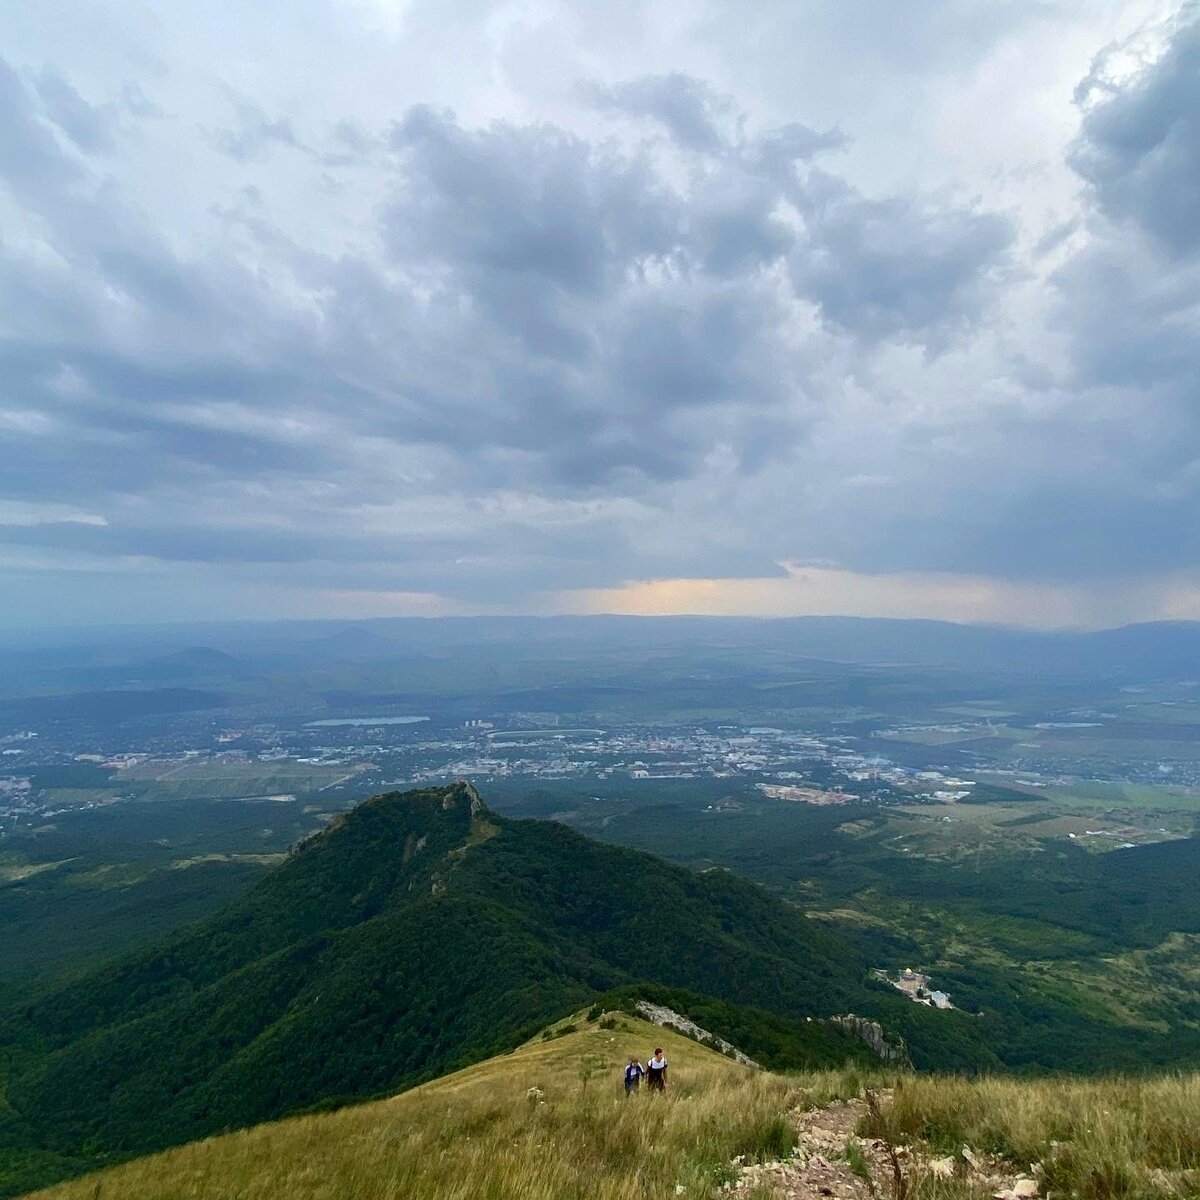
column 890, row 1048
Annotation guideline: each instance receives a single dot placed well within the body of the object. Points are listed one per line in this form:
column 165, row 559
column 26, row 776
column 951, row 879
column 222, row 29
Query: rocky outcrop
column 668, row 1018
column 890, row 1049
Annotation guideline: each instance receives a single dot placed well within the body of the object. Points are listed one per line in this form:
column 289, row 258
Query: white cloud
column 25, row 515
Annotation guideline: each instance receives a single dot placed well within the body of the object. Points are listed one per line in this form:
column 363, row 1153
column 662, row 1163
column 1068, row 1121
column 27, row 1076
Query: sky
column 383, row 307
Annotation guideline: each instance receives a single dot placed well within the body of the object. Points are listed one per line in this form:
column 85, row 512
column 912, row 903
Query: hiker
column 656, row 1072
column 633, row 1075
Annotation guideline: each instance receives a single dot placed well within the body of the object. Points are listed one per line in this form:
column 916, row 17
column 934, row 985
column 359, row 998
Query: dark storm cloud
column 1139, row 146
column 553, row 315
column 599, row 301
column 629, row 299
column 904, row 267
column 734, row 229
column 530, row 201
column 1130, row 314
column 918, row 268
column 1093, row 475
column 1131, row 293
column 141, row 434
column 1074, row 529
column 777, row 150
column 203, row 543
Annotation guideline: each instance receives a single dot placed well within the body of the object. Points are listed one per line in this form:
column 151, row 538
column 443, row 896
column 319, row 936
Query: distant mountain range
column 214, row 651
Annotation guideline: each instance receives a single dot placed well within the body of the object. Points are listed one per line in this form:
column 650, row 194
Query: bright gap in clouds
column 373, row 307
column 819, row 591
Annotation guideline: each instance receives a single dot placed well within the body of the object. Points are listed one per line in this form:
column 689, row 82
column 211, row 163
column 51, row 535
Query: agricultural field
column 953, row 733
column 953, row 831
column 1117, row 797
column 216, row 779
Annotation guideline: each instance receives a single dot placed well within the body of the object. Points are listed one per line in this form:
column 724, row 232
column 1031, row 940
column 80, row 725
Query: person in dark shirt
column 633, row 1075
column 656, row 1072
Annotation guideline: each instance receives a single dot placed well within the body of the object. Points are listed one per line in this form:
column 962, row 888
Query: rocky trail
column 831, row 1160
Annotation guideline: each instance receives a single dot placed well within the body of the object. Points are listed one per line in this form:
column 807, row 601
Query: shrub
column 771, row 1137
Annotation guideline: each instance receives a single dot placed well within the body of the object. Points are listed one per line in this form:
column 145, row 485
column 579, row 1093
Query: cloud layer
column 281, row 330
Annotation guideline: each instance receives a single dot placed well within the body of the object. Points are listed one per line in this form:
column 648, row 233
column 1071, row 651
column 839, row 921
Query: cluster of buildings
column 916, row 987
column 643, row 753
column 118, row 762
column 790, row 765
column 805, row 795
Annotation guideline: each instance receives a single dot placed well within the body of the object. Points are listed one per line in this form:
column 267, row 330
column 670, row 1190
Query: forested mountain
column 417, row 933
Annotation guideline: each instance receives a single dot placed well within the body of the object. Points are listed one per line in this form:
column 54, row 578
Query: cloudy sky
column 369, row 307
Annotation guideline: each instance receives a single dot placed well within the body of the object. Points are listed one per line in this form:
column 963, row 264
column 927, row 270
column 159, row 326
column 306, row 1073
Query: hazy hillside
column 417, row 934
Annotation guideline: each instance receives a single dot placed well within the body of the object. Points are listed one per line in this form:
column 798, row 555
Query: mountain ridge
column 417, row 933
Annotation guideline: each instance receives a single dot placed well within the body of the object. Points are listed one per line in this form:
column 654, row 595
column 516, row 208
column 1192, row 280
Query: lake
column 365, row 721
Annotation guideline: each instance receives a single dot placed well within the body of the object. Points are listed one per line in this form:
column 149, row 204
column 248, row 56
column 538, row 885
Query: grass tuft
column 1120, row 1139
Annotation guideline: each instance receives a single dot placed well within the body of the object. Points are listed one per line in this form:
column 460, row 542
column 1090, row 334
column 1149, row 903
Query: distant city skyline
column 354, row 308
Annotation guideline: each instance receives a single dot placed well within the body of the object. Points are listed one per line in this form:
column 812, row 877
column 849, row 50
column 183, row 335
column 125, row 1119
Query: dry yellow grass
column 479, row 1134
column 1094, row 1139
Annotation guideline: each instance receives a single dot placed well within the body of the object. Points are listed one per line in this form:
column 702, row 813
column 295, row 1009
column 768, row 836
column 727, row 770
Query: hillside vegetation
column 1070, row 959
column 549, row 1122
column 418, row 934
column 481, row 1133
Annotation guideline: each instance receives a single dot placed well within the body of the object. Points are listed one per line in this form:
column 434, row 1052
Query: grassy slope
column 1114, row 1139
column 479, row 1135
column 476, row 1133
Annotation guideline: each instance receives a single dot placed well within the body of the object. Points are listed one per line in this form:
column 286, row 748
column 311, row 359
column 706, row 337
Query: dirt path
column 831, row 1160
column 819, row 1167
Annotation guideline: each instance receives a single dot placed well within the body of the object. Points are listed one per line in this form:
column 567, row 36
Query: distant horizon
column 81, row 629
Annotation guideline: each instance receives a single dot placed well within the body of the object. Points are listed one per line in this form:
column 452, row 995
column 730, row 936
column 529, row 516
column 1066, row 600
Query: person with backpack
column 656, row 1072
column 633, row 1075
